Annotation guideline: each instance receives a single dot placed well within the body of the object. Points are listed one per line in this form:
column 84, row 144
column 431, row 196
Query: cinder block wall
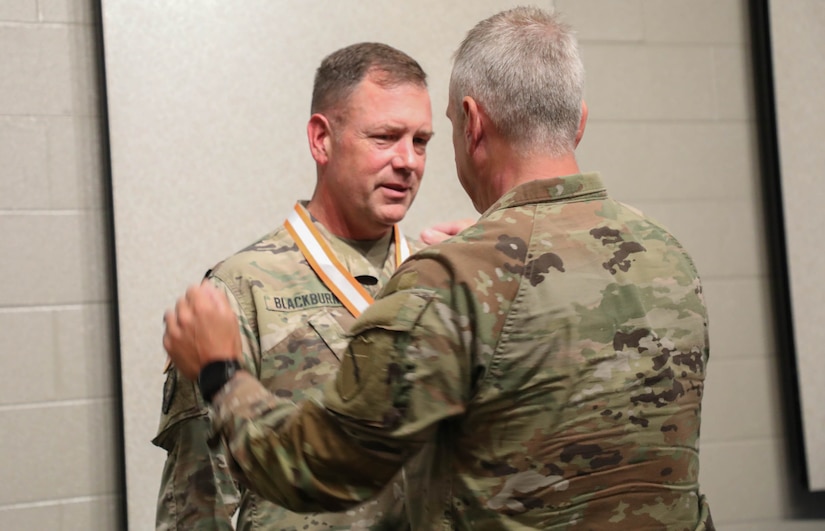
column 672, row 130
column 58, row 402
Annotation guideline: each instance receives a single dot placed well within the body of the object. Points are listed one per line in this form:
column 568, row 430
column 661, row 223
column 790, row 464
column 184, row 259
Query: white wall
column 671, row 128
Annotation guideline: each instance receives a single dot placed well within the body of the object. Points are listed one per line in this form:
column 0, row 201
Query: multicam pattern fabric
column 293, row 336
column 542, row 370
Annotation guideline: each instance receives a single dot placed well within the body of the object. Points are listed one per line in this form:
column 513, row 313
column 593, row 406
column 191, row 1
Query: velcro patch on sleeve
column 372, row 356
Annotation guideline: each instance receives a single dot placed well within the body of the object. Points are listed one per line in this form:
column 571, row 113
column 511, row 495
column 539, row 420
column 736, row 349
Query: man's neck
column 330, row 216
column 511, row 170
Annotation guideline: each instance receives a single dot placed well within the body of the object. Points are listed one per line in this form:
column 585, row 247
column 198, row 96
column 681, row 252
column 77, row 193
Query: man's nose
column 406, row 157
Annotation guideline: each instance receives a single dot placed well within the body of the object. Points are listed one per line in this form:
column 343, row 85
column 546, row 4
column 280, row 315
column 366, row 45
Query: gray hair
column 523, row 68
column 343, row 69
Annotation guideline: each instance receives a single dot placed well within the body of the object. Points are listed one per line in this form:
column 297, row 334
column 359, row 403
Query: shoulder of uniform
column 460, row 257
column 181, row 403
column 270, row 251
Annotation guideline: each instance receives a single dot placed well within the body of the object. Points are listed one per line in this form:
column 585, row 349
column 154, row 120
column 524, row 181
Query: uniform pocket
column 306, row 357
column 331, row 332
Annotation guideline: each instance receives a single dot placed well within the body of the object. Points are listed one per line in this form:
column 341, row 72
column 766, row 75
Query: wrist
column 214, row 375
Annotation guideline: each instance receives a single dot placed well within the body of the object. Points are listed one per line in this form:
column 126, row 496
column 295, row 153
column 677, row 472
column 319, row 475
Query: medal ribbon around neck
column 332, row 272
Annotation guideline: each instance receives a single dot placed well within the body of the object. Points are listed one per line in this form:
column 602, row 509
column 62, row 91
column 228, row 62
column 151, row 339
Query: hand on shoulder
column 441, row 231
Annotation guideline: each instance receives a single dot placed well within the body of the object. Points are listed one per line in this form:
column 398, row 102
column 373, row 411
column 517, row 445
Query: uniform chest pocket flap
column 331, row 331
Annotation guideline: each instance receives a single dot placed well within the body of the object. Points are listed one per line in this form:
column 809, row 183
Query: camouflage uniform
column 542, row 370
column 292, row 330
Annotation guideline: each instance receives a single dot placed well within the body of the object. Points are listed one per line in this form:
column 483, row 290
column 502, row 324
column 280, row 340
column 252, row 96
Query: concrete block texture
column 53, row 258
column 677, row 160
column 24, row 154
column 18, row 11
column 47, row 70
column 73, row 514
column 643, row 81
column 66, row 452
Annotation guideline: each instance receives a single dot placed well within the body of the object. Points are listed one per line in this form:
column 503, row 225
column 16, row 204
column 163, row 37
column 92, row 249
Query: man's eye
column 421, row 144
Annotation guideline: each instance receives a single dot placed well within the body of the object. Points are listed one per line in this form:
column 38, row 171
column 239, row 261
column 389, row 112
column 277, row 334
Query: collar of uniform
column 361, row 258
column 562, row 189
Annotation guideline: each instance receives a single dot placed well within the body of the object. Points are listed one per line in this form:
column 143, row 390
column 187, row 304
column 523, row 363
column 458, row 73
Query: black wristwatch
column 214, row 376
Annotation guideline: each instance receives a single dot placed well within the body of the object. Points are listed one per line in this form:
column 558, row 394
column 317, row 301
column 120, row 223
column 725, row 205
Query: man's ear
column 319, row 135
column 582, row 123
column 473, row 123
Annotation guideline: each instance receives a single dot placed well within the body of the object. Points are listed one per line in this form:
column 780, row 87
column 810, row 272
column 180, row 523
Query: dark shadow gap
column 106, row 167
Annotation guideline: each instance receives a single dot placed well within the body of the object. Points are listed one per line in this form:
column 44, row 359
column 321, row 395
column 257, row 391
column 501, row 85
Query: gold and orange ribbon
column 329, row 269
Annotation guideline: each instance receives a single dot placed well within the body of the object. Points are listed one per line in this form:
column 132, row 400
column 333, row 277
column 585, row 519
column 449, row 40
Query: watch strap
column 214, row 375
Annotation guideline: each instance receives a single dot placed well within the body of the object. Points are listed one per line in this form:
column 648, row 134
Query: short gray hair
column 523, row 68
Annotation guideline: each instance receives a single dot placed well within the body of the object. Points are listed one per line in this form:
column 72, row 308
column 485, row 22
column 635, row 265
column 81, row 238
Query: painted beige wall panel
column 799, row 81
column 208, row 103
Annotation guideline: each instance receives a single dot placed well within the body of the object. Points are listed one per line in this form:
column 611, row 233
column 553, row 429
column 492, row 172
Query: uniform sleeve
column 197, row 490
column 404, row 372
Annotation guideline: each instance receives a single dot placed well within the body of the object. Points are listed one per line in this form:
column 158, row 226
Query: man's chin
column 392, row 214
